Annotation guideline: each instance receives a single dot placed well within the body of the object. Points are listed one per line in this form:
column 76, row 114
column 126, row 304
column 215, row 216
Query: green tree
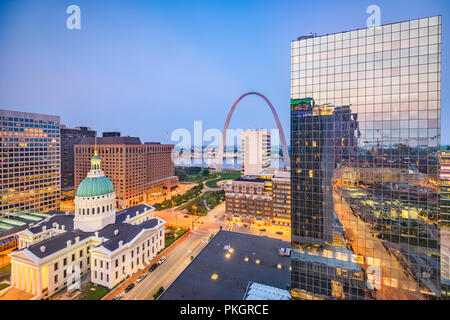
column 158, row 293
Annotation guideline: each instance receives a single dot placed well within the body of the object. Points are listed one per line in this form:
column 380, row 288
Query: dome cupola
column 95, row 199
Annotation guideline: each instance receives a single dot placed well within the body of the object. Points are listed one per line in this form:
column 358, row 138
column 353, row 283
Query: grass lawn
column 5, row 270
column 223, row 176
column 97, row 294
column 3, row 286
column 170, row 240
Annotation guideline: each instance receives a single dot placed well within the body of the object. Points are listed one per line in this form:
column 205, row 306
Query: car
column 262, row 230
column 186, row 216
column 162, row 260
column 279, row 232
column 117, row 297
column 130, row 286
column 153, row 267
column 141, row 277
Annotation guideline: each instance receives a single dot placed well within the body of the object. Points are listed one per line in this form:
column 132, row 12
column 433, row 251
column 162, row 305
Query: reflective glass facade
column 365, row 131
column 445, row 221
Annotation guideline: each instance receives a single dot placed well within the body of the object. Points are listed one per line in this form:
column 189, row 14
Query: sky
column 146, row 68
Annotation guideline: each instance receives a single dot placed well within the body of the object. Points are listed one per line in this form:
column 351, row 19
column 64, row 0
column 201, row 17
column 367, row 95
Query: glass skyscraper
column 365, row 132
column 30, row 178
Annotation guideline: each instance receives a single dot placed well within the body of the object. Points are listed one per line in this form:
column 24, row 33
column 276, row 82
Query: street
column 180, row 256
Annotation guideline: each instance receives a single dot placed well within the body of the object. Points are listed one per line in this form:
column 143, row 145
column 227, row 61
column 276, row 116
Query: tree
column 205, row 172
column 158, row 293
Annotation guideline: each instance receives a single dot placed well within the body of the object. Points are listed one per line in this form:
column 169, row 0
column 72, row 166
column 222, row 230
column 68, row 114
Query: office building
column 365, row 170
column 260, row 200
column 30, row 162
column 70, row 137
column 445, row 221
column 138, row 171
column 255, row 151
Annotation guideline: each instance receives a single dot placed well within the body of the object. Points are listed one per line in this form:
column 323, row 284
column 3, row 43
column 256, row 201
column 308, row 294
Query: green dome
column 94, row 186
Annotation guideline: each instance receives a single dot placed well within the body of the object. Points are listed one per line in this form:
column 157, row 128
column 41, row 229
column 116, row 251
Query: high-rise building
column 137, row 170
column 70, row 137
column 364, row 164
column 445, row 221
column 30, row 162
column 256, row 151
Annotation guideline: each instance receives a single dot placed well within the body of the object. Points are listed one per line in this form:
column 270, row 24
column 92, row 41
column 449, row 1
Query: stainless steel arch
column 286, row 157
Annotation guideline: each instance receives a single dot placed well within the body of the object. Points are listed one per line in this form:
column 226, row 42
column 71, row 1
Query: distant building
column 56, row 252
column 111, row 134
column 261, row 200
column 136, row 170
column 31, row 160
column 70, row 137
column 256, row 151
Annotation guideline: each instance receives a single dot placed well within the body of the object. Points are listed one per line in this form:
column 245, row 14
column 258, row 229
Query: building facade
column 445, row 221
column 70, row 137
column 56, row 252
column 365, row 170
column 262, row 200
column 255, row 151
column 30, row 166
column 136, row 170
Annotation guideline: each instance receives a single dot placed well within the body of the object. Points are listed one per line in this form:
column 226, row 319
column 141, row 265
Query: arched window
column 103, row 208
column 98, row 209
column 83, row 211
column 87, row 211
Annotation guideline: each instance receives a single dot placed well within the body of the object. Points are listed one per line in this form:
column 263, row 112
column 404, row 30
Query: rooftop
column 251, row 178
column 112, row 234
column 110, row 140
column 234, row 273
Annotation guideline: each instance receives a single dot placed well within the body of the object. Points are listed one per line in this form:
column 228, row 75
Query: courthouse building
column 56, row 252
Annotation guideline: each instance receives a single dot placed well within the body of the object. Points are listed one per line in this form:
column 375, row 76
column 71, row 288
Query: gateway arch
column 219, row 158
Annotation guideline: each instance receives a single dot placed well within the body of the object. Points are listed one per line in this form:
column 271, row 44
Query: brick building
column 260, row 199
column 136, row 170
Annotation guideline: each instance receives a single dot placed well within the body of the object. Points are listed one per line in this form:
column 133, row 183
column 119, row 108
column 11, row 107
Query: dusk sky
column 145, row 68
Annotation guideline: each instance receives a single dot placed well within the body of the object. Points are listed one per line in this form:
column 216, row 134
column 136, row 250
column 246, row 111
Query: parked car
column 153, row 267
column 142, row 277
column 117, row 297
column 162, row 260
column 130, row 286
column 262, row 230
column 186, row 216
column 279, row 232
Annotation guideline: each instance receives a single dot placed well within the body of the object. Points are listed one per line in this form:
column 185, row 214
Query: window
column 56, row 266
column 65, row 262
column 56, row 278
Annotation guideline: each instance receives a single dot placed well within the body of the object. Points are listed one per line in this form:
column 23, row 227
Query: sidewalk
column 134, row 277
